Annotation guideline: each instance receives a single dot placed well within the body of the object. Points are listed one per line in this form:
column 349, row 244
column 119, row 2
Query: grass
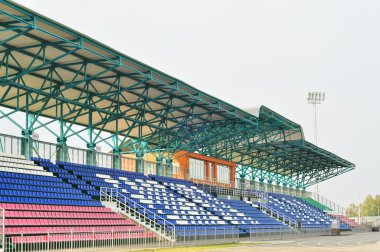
column 195, row 248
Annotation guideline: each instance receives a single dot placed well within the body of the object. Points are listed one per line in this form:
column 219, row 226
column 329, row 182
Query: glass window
column 197, row 168
column 223, row 173
column 211, row 166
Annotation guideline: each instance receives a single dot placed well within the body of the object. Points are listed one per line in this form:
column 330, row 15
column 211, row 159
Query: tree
column 352, row 210
column 367, row 208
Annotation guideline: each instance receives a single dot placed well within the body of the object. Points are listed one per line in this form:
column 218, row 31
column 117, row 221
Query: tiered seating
column 236, row 213
column 42, row 198
column 242, row 211
column 316, row 204
column 31, row 184
column 187, row 216
column 296, row 209
column 347, row 221
column 37, row 203
column 41, row 219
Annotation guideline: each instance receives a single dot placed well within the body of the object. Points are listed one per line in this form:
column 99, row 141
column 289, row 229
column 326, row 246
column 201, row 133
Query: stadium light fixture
column 315, row 98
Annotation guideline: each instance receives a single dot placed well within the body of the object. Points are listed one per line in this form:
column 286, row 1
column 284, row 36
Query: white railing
column 336, row 208
column 2, row 229
column 279, row 215
column 207, row 235
column 139, row 213
column 119, row 240
column 261, row 186
column 258, row 234
column 211, row 182
column 260, row 196
column 86, row 241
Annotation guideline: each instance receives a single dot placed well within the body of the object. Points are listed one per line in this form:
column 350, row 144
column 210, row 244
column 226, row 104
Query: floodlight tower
column 314, row 99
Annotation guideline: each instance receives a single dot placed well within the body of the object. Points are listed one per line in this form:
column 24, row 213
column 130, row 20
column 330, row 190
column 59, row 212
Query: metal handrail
column 336, row 208
column 261, row 195
column 211, row 182
column 132, row 208
column 274, row 212
column 2, row 211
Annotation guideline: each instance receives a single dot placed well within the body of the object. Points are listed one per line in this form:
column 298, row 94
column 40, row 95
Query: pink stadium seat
column 52, row 208
column 80, row 237
column 347, row 220
column 59, row 221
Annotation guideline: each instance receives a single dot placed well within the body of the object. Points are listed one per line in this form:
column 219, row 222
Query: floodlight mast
column 314, row 99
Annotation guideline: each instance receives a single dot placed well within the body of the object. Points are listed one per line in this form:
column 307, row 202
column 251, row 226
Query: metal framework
column 49, row 70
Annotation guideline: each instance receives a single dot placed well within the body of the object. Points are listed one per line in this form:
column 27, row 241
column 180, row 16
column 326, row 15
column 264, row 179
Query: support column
column 261, row 184
column 62, row 154
column 91, row 154
column 169, row 168
column 159, row 168
column 91, row 151
column 140, row 161
column 27, row 143
column 278, row 187
column 297, row 190
column 304, row 192
column 27, row 140
column 116, row 158
column 242, row 181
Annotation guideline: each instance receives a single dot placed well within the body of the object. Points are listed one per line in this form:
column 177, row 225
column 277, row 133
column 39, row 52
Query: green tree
column 352, row 210
column 367, row 208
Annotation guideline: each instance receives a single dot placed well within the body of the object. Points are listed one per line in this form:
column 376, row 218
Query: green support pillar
column 62, row 153
column 116, row 159
column 91, row 152
column 261, row 181
column 139, row 161
column 278, row 186
column 242, row 181
column 159, row 166
column 169, row 168
column 253, row 183
column 27, row 140
column 27, row 144
column 298, row 192
column 91, row 155
column 270, row 185
column 304, row 192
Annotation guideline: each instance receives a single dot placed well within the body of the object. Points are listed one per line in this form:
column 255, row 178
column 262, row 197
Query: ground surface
column 356, row 242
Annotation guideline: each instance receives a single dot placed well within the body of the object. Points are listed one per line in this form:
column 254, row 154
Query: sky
column 251, row 53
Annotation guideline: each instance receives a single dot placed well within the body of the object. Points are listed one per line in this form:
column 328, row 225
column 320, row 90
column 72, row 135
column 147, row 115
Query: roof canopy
column 50, row 70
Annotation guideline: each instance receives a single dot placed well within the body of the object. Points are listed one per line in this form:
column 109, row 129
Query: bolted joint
column 27, row 133
column 62, row 140
column 139, row 154
column 116, row 151
column 91, row 146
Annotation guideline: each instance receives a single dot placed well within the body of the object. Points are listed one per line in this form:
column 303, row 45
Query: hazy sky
column 252, row 53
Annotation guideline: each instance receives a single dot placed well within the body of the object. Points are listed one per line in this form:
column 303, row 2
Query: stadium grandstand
column 185, row 167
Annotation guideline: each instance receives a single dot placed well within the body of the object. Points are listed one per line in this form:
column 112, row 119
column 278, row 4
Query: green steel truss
column 51, row 71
